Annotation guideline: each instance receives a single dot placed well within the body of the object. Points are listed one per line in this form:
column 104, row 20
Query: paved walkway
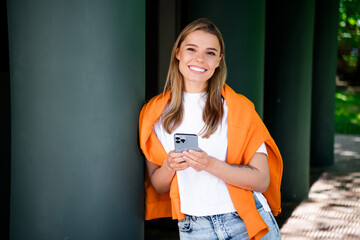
column 333, row 208
column 331, row 212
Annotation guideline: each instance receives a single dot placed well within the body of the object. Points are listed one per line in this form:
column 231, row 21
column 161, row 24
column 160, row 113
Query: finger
column 190, row 158
column 195, row 165
column 182, row 166
column 193, row 151
column 199, row 153
column 193, row 160
column 175, row 154
column 179, row 160
column 190, row 155
column 192, row 163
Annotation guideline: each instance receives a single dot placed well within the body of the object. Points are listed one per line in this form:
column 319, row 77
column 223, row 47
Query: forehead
column 202, row 39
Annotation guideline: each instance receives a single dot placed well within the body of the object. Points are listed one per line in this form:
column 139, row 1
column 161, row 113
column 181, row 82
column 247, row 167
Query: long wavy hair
column 213, row 110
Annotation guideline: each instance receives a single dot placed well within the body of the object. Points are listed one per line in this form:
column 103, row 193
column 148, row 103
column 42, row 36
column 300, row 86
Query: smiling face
column 199, row 55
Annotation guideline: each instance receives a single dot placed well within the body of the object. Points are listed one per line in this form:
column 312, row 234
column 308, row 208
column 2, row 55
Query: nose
column 199, row 57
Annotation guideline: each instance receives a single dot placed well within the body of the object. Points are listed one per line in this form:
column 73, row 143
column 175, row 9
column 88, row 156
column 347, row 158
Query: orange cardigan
column 246, row 132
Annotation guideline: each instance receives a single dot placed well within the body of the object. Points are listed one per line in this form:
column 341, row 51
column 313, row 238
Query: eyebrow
column 194, row 45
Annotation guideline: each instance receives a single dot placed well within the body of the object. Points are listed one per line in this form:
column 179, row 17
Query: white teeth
column 197, row 69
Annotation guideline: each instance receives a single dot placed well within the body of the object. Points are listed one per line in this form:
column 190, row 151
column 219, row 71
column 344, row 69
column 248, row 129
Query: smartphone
column 185, row 141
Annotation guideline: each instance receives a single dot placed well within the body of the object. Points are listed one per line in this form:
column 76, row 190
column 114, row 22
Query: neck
column 194, row 88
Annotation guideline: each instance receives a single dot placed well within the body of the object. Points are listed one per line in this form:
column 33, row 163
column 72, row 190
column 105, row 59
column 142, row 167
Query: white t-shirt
column 202, row 194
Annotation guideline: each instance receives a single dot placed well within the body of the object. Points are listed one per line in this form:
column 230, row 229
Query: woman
column 230, row 187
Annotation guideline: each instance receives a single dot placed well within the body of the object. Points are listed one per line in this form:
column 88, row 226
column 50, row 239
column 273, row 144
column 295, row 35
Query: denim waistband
column 257, row 202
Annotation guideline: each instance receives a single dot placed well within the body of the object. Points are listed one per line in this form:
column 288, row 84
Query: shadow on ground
column 333, row 208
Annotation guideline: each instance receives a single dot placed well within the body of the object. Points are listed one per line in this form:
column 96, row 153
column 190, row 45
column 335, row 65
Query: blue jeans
column 224, row 226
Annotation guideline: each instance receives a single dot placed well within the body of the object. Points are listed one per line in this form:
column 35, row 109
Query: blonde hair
column 213, row 110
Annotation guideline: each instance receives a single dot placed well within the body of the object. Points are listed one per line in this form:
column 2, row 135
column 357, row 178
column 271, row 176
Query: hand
column 198, row 160
column 176, row 162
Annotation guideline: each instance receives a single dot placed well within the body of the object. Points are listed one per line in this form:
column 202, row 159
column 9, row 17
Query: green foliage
column 349, row 23
column 349, row 30
column 350, row 59
column 347, row 112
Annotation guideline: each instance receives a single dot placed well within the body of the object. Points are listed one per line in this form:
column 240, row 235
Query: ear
column 177, row 54
column 221, row 56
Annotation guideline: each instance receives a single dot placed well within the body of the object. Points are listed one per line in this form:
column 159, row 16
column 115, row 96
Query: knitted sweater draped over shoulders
column 246, row 132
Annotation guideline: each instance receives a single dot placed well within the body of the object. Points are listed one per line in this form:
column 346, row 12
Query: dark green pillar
column 288, row 74
column 162, row 20
column 323, row 88
column 77, row 85
column 242, row 24
column 4, row 123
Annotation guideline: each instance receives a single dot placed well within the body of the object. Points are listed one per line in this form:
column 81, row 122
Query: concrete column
column 77, row 73
column 4, row 123
column 5, row 152
column 288, row 74
column 242, row 24
column 323, row 88
column 162, row 21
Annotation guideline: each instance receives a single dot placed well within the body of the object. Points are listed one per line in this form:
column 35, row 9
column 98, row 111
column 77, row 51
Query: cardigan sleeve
column 275, row 163
column 156, row 205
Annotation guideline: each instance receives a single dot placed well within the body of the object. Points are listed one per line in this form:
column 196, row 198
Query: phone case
column 185, row 141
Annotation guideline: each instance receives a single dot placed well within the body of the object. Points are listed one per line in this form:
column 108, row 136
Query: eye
column 191, row 49
column 211, row 53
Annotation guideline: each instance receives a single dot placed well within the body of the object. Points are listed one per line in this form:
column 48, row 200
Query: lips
column 197, row 69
